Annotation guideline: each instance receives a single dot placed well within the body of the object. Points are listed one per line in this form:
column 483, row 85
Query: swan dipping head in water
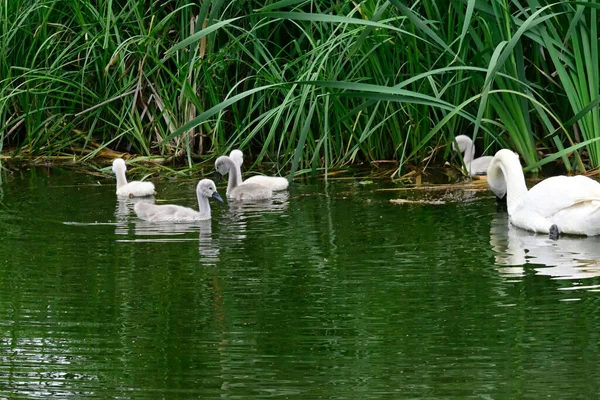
column 205, row 190
column 475, row 166
column 131, row 189
column 235, row 188
column 276, row 183
column 560, row 204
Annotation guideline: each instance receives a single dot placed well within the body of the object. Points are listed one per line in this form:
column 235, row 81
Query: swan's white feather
column 275, row 183
column 235, row 190
column 130, row 189
column 474, row 166
column 479, row 165
column 174, row 213
column 136, row 189
column 250, row 191
column 572, row 203
column 168, row 213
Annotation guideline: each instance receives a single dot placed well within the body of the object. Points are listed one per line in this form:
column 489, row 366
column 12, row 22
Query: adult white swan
column 131, row 189
column 561, row 204
column 477, row 166
column 172, row 213
column 235, row 190
column 276, row 183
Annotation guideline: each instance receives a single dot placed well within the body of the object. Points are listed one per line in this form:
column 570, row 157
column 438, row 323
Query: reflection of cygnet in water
column 164, row 232
column 207, row 248
column 278, row 203
column 571, row 257
column 124, row 209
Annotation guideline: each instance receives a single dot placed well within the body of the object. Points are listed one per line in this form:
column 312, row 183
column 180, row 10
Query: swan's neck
column 507, row 174
column 238, row 172
column 121, row 179
column 469, row 153
column 235, row 176
column 203, row 204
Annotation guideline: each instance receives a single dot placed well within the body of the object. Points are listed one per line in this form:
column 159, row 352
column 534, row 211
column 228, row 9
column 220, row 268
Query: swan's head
column 207, row 188
column 119, row 165
column 237, row 157
column 463, row 142
column 496, row 173
column 223, row 164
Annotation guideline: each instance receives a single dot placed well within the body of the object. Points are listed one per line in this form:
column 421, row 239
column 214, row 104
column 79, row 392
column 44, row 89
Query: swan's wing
column 558, row 193
column 251, row 191
column 273, row 182
column 166, row 212
column 582, row 218
column 479, row 166
column 137, row 189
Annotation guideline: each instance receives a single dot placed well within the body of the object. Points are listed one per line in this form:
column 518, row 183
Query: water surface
column 329, row 291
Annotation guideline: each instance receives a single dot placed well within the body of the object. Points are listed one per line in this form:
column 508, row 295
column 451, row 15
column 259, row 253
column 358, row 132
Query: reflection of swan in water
column 124, row 209
column 278, row 204
column 254, row 213
column 165, row 232
column 570, row 257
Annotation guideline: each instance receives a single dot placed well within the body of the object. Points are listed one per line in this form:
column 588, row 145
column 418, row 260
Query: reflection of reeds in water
column 570, row 257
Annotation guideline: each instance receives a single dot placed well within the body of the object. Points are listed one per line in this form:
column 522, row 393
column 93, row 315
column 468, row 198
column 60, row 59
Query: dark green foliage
column 309, row 83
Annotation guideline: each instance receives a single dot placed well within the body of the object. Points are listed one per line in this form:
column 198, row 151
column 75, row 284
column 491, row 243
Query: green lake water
column 330, row 291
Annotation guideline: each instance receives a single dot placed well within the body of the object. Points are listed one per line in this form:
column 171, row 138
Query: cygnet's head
column 463, row 142
column 118, row 165
column 223, row 164
column 237, row 157
column 207, row 188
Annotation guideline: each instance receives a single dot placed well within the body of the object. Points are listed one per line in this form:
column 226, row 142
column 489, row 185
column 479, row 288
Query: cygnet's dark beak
column 216, row 196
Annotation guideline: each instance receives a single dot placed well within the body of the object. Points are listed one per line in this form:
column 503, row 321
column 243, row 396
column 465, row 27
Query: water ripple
column 570, row 257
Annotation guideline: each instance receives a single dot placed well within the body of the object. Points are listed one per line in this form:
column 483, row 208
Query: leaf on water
column 364, row 183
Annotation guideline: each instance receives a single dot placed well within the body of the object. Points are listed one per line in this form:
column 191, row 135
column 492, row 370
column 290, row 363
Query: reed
column 303, row 84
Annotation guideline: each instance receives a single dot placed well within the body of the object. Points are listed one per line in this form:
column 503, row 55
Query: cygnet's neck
column 203, row 204
column 469, row 152
column 121, row 179
column 238, row 173
column 235, row 174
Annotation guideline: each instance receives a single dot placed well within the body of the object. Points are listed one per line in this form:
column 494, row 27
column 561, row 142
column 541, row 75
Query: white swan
column 276, row 183
column 560, row 204
column 131, row 189
column 172, row 213
column 235, row 190
column 477, row 166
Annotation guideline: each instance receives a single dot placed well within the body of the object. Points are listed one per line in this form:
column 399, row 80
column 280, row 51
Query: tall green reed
column 305, row 84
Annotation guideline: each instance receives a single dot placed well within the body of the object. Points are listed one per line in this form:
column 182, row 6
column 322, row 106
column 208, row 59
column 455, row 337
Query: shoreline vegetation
column 305, row 86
